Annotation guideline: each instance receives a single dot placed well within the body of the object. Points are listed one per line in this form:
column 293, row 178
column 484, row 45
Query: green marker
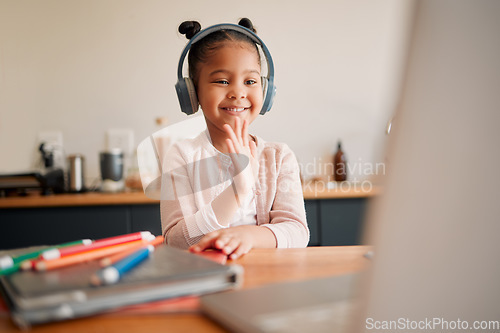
column 12, row 269
column 10, row 264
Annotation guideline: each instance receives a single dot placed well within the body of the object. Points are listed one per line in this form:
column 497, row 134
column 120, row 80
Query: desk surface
column 262, row 266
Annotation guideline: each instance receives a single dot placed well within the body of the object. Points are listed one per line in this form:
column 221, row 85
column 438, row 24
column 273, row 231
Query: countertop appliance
column 49, row 182
column 111, row 163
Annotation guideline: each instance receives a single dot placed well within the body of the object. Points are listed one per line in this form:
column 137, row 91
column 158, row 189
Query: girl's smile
column 234, row 110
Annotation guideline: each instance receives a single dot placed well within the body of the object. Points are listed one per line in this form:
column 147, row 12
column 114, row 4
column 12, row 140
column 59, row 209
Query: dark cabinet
column 335, row 221
column 145, row 218
column 20, row 227
column 312, row 214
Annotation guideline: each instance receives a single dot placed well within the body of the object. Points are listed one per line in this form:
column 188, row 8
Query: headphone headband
column 185, row 88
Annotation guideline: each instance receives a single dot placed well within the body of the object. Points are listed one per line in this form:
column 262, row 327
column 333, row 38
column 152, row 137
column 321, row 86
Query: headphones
column 186, row 91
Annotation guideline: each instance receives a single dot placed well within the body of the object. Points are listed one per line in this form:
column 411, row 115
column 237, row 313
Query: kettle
column 76, row 175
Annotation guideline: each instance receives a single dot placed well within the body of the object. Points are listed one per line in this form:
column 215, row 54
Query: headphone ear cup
column 264, row 81
column 192, row 94
column 268, row 91
column 186, row 93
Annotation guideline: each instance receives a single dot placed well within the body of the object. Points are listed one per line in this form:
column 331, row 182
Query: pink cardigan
column 186, row 212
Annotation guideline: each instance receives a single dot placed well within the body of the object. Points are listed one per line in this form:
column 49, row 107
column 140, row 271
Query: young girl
column 227, row 189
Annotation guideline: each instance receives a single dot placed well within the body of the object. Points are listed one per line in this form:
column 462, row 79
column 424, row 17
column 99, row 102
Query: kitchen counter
column 138, row 197
column 77, row 199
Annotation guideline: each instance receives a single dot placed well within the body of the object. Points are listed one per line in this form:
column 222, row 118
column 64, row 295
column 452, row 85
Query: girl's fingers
column 253, row 149
column 241, row 250
column 239, row 138
column 228, row 129
column 221, row 243
column 230, row 246
column 244, row 133
column 237, row 130
column 206, row 242
column 230, row 146
column 232, row 137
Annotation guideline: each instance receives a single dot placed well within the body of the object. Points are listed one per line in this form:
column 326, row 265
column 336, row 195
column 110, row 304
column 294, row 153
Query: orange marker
column 44, row 265
column 119, row 256
column 105, row 242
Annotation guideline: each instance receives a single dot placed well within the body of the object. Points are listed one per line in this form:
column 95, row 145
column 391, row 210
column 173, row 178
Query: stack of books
column 86, row 277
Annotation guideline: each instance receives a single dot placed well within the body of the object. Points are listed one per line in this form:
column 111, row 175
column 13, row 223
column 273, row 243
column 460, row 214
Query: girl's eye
column 250, row 82
column 222, row 82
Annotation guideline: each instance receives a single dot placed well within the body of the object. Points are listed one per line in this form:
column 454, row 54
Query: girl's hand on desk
column 233, row 242
column 236, row 241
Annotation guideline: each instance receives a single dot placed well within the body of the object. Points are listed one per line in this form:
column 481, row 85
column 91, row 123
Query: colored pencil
column 114, row 273
column 119, row 256
column 44, row 265
column 11, row 269
column 11, row 261
column 101, row 243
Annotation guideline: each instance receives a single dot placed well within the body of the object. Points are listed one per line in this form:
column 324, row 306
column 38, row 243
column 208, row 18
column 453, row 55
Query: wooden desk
column 262, row 266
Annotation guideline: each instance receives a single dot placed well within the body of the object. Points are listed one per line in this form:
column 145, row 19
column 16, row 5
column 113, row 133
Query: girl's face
column 229, row 86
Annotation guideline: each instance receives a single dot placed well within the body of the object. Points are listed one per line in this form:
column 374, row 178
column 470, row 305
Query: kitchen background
column 83, row 67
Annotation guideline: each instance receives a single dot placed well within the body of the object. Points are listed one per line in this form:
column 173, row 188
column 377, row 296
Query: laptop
column 324, row 304
column 436, row 228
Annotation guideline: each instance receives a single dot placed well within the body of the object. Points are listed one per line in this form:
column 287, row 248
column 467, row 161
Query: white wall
column 84, row 66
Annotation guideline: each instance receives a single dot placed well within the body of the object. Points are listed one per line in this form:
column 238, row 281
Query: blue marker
column 113, row 273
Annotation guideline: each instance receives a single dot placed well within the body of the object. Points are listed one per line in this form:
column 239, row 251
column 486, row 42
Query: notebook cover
column 37, row 297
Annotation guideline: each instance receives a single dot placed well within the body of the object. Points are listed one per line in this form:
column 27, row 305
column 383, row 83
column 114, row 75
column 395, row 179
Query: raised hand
column 243, row 152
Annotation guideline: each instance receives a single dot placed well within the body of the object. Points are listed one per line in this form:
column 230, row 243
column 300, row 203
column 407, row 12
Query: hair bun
column 245, row 22
column 189, row 28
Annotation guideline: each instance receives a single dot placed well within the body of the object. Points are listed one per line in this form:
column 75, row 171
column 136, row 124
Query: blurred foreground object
column 435, row 229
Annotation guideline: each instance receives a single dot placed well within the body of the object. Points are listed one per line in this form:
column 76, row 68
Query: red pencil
column 105, row 242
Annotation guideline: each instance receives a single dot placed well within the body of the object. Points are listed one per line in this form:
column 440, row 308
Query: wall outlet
column 53, row 146
column 51, row 138
column 120, row 138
